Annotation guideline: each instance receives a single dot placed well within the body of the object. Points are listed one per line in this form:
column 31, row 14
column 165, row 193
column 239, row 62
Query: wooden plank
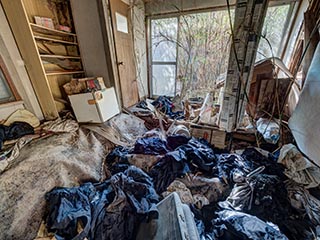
column 91, row 39
column 309, row 23
column 104, row 7
column 58, row 56
column 249, row 16
column 54, row 40
column 49, row 31
column 19, row 24
column 56, row 83
column 63, row 72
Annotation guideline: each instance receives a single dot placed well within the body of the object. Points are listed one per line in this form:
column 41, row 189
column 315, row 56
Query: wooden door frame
column 110, row 45
column 122, row 80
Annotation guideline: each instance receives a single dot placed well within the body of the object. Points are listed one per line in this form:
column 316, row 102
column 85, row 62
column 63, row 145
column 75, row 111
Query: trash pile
column 112, row 209
column 202, row 111
column 232, row 196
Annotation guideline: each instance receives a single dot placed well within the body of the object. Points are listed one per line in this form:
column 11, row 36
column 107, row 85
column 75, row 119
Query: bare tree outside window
column 189, row 53
column 273, row 31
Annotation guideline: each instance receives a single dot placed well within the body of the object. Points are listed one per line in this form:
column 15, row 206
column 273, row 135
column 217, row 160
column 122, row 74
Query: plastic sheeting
column 304, row 122
column 61, row 125
column 269, row 129
column 238, row 225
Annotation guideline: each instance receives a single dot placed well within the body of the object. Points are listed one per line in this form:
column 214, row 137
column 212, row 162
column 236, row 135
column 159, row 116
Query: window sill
column 11, row 104
column 6, row 109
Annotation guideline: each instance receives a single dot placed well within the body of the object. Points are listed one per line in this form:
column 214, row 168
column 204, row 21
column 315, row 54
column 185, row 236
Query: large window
column 274, row 31
column 164, row 56
column 189, row 53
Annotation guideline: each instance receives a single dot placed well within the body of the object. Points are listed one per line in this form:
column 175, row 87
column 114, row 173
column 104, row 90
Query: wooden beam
column 22, row 32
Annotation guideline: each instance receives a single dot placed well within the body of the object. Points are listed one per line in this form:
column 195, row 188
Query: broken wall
column 140, row 48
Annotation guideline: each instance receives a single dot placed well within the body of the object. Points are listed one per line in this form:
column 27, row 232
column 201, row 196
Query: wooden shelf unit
column 49, row 31
column 56, row 46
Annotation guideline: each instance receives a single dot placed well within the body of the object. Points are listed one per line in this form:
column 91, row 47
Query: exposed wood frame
column 19, row 23
column 104, row 6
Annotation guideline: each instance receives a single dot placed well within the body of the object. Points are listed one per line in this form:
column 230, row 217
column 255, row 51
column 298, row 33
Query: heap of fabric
column 238, row 225
column 166, row 106
column 14, row 131
column 109, row 210
column 232, row 196
column 302, row 200
column 299, row 168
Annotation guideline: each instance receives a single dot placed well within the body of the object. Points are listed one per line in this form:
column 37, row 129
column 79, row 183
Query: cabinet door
column 121, row 22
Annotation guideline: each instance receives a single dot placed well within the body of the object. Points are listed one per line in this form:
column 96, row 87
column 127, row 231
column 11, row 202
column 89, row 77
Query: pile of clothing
column 232, row 196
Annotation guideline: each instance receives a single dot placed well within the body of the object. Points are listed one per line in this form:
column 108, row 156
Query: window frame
column 15, row 95
column 151, row 63
column 289, row 20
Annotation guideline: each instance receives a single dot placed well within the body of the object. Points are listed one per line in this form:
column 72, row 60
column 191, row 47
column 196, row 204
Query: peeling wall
column 15, row 66
column 140, row 48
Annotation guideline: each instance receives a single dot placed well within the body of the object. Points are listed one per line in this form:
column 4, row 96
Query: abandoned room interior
column 160, row 120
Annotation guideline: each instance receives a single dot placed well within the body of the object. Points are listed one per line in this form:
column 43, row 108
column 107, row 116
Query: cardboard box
column 201, row 132
column 95, row 107
column 44, row 21
column 214, row 136
column 218, row 138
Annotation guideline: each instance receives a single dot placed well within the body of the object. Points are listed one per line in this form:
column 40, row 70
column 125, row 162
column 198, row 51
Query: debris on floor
column 232, row 196
column 298, row 167
column 225, row 194
column 111, row 209
column 52, row 160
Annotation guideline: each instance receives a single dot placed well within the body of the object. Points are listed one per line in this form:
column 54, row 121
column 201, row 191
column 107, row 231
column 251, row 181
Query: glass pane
column 273, row 29
column 163, row 39
column 203, row 54
column 5, row 92
column 163, row 80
